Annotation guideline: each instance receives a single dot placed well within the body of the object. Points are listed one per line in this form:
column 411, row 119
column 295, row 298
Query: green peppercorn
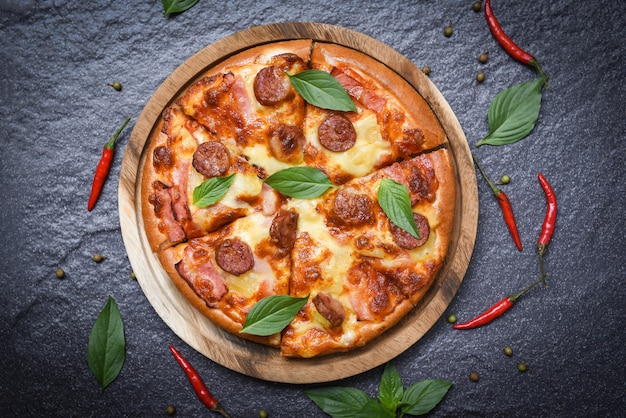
column 171, row 410
column 133, row 276
column 263, row 413
column 116, row 85
column 483, row 58
column 97, row 257
column 452, row 318
column 508, row 351
column 480, row 77
column 522, row 367
column 477, row 6
column 447, row 31
column 473, row 376
column 426, row 70
column 505, row 179
column 60, row 273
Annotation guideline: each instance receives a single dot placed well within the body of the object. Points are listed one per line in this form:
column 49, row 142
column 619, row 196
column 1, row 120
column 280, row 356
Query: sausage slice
column 352, row 208
column 330, row 308
column 408, row 241
column 211, row 159
column 234, row 256
column 336, row 133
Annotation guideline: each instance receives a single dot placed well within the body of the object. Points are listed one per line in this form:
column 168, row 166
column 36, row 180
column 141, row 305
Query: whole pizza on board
column 253, row 190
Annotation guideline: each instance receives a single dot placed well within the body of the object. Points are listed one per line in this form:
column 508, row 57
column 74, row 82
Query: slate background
column 56, row 111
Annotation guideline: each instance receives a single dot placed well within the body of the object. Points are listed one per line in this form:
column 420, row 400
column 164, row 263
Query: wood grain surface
column 247, row 357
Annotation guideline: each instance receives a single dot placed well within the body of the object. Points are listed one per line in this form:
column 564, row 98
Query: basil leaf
column 514, row 112
column 212, row 190
column 390, row 391
column 177, row 6
column 106, row 350
column 321, row 89
column 300, row 182
column 395, row 201
column 422, row 397
column 347, row 402
column 272, row 314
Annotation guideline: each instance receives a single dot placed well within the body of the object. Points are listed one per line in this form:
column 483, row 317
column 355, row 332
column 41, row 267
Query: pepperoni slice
column 271, row 86
column 286, row 143
column 352, row 208
column 337, row 133
column 234, row 256
column 211, row 159
column 408, row 241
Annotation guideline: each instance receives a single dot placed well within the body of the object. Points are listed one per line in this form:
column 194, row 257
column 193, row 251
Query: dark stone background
column 56, row 111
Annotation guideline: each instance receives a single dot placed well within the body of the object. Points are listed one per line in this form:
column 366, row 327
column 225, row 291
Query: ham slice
column 367, row 97
column 201, row 274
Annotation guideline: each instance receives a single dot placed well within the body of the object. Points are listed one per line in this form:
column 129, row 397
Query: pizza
column 229, row 237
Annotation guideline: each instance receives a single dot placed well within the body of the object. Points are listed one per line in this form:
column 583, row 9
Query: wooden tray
column 250, row 358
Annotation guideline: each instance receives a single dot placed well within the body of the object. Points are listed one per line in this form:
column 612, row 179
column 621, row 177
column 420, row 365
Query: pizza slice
column 181, row 159
column 392, row 121
column 250, row 101
column 224, row 273
column 362, row 272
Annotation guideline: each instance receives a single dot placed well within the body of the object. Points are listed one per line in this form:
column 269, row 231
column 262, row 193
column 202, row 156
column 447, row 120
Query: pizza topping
column 355, row 88
column 162, row 158
column 212, row 190
column 421, row 180
column 198, row 270
column 408, row 241
column 412, row 141
column 337, row 133
column 234, row 256
column 300, row 182
column 409, row 281
column 286, row 143
column 161, row 200
column 211, row 159
column 272, row 86
column 372, row 294
column 353, row 208
column 330, row 308
column 321, row 89
column 283, row 229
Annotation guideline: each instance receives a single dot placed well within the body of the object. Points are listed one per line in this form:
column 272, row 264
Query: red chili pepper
column 508, row 44
column 104, row 165
column 505, row 206
column 549, row 221
column 496, row 310
column 198, row 385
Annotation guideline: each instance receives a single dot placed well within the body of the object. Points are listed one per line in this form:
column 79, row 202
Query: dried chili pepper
column 198, row 385
column 505, row 205
column 549, row 221
column 104, row 165
column 496, row 310
column 508, row 44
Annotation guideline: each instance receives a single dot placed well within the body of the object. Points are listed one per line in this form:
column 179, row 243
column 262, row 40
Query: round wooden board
column 247, row 357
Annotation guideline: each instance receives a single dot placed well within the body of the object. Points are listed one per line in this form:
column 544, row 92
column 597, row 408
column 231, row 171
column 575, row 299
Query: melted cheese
column 335, row 268
column 362, row 158
column 244, row 184
column 259, row 155
column 252, row 229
